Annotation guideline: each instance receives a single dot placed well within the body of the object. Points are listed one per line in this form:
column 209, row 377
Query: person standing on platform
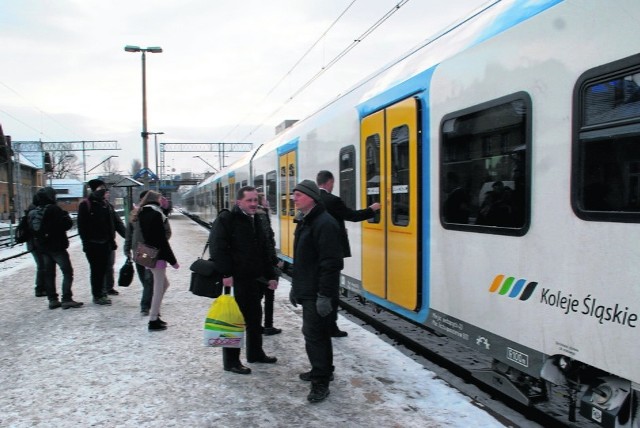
column 97, row 230
column 109, row 280
column 133, row 236
column 337, row 208
column 40, row 287
column 317, row 252
column 152, row 221
column 269, row 293
column 239, row 247
column 48, row 225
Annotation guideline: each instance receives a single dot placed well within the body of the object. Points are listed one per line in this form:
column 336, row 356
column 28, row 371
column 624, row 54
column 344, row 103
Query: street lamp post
column 145, row 134
column 155, row 144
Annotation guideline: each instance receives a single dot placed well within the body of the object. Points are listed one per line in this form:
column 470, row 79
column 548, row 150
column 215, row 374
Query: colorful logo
column 512, row 288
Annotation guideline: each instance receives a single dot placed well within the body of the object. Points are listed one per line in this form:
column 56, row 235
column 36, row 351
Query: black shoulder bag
column 206, row 281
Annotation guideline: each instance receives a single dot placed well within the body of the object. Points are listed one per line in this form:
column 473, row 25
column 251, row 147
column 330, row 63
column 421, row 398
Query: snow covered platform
column 99, row 366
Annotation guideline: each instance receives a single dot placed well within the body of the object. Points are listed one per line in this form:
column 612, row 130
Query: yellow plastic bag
column 224, row 325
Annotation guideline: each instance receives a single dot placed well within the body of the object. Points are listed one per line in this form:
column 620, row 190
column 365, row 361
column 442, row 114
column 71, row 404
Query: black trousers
column 317, row 340
column 146, row 278
column 269, row 298
column 98, row 256
column 248, row 294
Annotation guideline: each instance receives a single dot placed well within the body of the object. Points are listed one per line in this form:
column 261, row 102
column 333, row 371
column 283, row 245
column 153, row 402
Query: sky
column 225, row 74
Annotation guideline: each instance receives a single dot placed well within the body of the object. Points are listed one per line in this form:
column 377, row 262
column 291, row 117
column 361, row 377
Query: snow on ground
column 99, row 366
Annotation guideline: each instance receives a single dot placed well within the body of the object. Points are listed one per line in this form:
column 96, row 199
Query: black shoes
column 239, row 369
column 113, row 292
column 339, row 333
column 157, row 325
column 319, row 391
column 40, row 293
column 54, row 304
column 144, row 312
column 71, row 304
column 265, row 359
column 102, row 301
column 270, row 331
column 306, row 376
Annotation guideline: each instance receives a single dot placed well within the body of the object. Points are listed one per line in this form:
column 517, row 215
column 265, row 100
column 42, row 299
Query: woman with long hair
column 153, row 225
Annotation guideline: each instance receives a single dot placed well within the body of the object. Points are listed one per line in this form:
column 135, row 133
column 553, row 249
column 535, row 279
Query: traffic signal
column 48, row 166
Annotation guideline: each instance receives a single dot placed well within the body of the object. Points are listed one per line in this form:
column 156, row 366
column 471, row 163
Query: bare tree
column 65, row 164
column 136, row 166
column 110, row 167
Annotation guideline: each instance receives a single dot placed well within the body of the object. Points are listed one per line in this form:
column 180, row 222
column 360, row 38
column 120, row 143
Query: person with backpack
column 23, row 235
column 97, row 228
column 48, row 225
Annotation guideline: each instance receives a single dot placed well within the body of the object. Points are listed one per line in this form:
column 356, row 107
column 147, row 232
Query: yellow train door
column 287, row 210
column 389, row 161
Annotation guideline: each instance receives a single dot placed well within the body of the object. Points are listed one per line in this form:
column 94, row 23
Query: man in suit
column 338, row 210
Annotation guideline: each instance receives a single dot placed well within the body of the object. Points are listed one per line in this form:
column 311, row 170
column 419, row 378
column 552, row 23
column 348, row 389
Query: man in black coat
column 51, row 242
column 317, row 255
column 239, row 247
column 337, row 208
column 97, row 227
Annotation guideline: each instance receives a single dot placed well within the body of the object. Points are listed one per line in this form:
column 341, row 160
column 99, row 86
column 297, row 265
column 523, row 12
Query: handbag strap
column 205, row 249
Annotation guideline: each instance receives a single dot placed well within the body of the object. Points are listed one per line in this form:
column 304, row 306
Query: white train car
column 505, row 152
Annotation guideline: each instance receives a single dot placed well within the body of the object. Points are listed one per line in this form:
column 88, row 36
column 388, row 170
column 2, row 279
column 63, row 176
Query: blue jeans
column 146, row 278
column 61, row 258
column 40, row 283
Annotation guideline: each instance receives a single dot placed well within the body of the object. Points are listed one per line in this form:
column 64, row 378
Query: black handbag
column 206, row 281
column 126, row 273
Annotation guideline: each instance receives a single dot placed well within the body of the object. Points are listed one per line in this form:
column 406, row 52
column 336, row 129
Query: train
column 505, row 151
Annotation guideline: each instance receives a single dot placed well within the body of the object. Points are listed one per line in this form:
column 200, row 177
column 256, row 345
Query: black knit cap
column 309, row 188
column 95, row 183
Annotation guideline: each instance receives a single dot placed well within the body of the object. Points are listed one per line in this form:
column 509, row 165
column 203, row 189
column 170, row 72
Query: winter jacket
column 338, row 210
column 55, row 223
column 98, row 222
column 134, row 235
column 152, row 225
column 239, row 246
column 317, row 255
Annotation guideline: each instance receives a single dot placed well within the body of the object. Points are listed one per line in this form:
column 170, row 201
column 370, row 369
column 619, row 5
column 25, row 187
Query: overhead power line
column 331, row 63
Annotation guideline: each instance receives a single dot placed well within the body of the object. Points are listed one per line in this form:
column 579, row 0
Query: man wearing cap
column 338, row 210
column 317, row 254
column 97, row 226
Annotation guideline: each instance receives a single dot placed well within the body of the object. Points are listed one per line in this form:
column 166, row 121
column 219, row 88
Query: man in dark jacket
column 41, row 289
column 317, row 255
column 97, row 228
column 50, row 240
column 239, row 247
column 337, row 208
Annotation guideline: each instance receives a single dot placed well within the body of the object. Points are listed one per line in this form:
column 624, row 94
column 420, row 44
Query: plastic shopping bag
column 224, row 325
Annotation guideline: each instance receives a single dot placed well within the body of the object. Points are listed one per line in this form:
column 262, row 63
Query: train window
column 270, row 190
column 373, row 173
column 226, row 197
column 485, row 167
column 258, row 183
column 348, row 175
column 400, row 175
column 606, row 153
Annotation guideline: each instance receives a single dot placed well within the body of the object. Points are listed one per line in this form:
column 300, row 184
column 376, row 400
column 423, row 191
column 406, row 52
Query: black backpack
column 35, row 220
column 22, row 233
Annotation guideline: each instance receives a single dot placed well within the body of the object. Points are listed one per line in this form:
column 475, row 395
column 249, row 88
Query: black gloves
column 323, row 305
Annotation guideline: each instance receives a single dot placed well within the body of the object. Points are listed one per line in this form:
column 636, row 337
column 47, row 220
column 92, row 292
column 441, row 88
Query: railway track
column 454, row 363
